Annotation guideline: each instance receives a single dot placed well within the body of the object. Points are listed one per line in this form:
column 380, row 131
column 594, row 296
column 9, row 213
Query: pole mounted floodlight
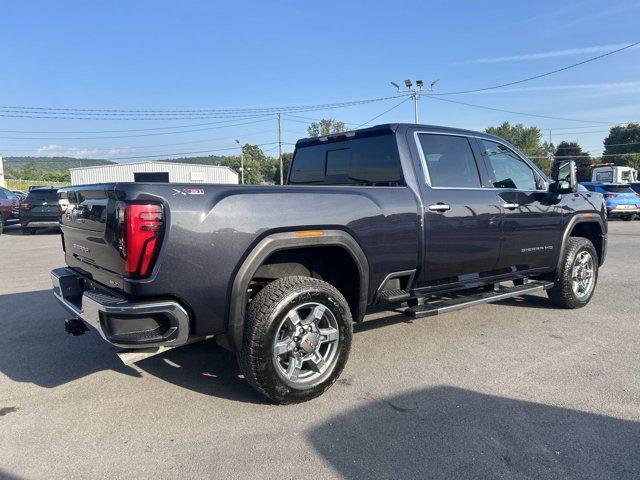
column 414, row 92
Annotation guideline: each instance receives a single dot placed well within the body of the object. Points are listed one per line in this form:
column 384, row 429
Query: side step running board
column 392, row 296
column 485, row 297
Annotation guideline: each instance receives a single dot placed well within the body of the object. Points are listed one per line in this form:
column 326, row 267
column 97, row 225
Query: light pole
column 241, row 163
column 414, row 92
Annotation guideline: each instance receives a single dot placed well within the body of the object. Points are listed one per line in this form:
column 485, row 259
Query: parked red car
column 9, row 206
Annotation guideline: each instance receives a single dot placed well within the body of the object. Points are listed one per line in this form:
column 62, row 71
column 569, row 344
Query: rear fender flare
column 284, row 241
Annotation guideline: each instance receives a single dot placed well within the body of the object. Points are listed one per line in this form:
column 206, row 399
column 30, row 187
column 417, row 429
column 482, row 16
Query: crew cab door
column 532, row 221
column 462, row 218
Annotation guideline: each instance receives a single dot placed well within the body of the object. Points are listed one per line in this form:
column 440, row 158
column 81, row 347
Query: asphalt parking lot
column 510, row 390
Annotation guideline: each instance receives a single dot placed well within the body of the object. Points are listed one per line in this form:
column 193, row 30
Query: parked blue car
column 621, row 200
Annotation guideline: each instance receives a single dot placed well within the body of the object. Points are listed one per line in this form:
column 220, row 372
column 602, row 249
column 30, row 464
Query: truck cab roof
column 398, row 128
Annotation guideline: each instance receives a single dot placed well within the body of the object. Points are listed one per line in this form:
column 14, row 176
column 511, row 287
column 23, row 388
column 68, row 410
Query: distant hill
column 53, row 164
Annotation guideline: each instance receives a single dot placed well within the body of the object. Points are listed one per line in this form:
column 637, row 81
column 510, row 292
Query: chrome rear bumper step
column 500, row 293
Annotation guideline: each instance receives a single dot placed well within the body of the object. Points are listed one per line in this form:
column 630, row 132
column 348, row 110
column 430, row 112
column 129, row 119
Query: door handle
column 510, row 206
column 439, row 207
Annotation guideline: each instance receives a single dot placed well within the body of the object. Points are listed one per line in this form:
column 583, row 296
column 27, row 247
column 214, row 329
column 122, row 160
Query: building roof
column 154, row 162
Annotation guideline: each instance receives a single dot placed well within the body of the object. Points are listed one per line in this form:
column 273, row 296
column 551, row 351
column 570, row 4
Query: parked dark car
column 39, row 210
column 635, row 187
column 9, row 206
column 435, row 217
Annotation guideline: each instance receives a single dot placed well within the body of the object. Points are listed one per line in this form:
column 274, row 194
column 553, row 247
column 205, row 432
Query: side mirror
column 565, row 180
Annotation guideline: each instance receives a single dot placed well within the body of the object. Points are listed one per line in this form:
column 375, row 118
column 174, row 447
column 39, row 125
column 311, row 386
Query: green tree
column 624, row 143
column 527, row 140
column 573, row 151
column 326, row 126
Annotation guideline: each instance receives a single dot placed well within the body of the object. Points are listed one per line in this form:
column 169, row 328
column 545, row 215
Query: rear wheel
column 627, row 218
column 297, row 339
column 578, row 275
column 28, row 231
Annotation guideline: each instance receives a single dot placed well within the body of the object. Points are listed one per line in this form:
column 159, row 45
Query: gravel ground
column 510, row 390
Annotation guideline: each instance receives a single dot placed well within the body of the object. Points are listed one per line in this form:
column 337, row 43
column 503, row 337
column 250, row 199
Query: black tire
column 1, row 224
column 28, row 231
column 265, row 316
column 627, row 218
column 562, row 293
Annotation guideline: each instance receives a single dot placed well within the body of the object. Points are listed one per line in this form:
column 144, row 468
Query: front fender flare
column 581, row 218
column 283, row 241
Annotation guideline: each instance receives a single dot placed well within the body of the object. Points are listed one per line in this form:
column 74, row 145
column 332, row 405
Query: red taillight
column 637, row 194
column 25, row 205
column 609, row 195
column 140, row 231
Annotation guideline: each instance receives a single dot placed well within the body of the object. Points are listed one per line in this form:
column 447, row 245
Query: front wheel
column 297, row 339
column 627, row 218
column 578, row 275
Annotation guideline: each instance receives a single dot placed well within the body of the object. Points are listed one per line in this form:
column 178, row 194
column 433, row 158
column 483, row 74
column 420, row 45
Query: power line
column 140, row 135
column 383, row 113
column 185, row 153
column 123, row 114
column 137, row 147
column 589, row 156
column 191, row 125
column 546, row 74
column 484, row 107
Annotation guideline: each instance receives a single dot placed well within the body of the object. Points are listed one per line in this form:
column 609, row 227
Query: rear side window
column 371, row 161
column 449, row 161
column 509, row 170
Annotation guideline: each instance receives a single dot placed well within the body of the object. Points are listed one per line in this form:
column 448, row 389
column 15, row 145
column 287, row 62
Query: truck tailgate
column 89, row 237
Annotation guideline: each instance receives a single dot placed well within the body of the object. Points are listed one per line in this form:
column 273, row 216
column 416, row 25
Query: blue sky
column 191, row 55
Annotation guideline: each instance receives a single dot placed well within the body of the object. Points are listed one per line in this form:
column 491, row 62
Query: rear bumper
column 620, row 211
column 40, row 223
column 123, row 323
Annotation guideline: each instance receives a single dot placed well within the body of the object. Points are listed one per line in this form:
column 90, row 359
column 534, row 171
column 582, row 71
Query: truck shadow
column 34, row 348
column 447, row 432
column 203, row 367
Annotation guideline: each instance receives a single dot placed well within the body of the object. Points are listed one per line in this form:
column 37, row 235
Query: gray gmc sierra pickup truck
column 431, row 218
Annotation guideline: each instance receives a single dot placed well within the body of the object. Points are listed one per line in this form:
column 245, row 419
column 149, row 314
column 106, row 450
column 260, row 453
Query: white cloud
column 554, row 53
column 53, row 150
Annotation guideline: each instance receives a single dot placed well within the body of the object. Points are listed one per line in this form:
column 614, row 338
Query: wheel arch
column 589, row 226
column 284, row 241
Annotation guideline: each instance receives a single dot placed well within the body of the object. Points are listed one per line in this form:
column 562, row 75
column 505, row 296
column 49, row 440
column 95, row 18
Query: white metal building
column 153, row 172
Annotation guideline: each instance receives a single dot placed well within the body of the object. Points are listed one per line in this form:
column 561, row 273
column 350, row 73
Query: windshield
column 617, row 188
column 43, row 196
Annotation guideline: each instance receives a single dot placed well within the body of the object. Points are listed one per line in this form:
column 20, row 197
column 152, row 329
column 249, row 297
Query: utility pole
column 414, row 93
column 241, row 163
column 280, row 150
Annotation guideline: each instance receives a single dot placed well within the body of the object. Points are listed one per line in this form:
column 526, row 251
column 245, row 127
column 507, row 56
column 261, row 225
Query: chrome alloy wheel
column 583, row 275
column 306, row 343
